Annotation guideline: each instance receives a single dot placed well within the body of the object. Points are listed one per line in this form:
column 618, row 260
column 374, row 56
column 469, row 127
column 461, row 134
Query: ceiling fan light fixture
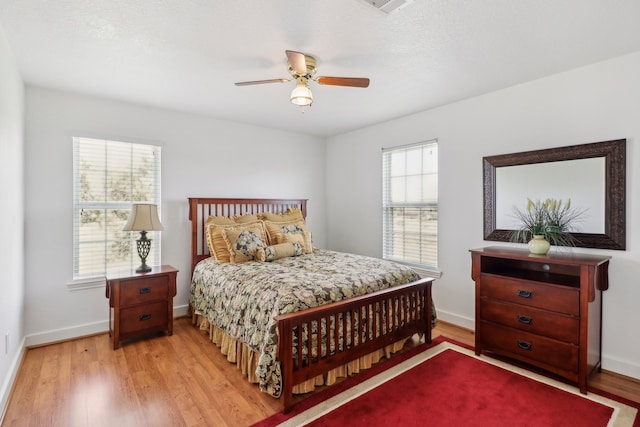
column 302, row 95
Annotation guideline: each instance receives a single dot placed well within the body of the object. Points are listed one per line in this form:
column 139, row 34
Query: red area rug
column 444, row 384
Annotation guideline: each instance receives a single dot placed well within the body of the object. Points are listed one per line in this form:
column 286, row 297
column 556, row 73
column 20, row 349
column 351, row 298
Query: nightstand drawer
column 141, row 290
column 143, row 317
column 530, row 319
column 530, row 347
column 562, row 299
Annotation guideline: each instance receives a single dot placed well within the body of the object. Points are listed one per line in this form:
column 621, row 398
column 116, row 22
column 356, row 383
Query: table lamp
column 143, row 218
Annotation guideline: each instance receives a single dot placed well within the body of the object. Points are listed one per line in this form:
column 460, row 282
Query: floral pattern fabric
column 243, row 299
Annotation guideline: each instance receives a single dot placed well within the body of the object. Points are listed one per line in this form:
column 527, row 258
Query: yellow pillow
column 242, row 243
column 304, row 240
column 217, row 245
column 291, row 231
column 243, row 219
column 284, row 250
column 224, row 220
column 220, row 220
column 292, row 214
column 275, row 227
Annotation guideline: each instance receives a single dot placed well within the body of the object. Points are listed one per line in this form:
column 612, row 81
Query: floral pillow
column 274, row 252
column 242, row 244
column 289, row 232
column 213, row 228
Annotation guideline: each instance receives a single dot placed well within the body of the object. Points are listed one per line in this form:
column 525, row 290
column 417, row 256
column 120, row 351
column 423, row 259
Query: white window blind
column 108, row 176
column 410, row 204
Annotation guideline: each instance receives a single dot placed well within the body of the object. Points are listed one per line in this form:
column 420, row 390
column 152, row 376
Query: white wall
column 201, row 157
column 595, row 103
column 11, row 219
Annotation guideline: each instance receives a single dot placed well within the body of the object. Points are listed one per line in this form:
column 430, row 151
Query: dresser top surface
column 564, row 255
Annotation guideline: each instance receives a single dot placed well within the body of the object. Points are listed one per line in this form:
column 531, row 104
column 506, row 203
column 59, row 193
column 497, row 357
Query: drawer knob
column 145, row 290
column 524, row 319
column 524, row 294
column 144, row 316
column 524, row 345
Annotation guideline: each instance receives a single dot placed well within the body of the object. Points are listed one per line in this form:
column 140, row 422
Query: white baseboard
column 57, row 335
column 181, row 310
column 7, row 385
column 456, row 319
column 622, row 367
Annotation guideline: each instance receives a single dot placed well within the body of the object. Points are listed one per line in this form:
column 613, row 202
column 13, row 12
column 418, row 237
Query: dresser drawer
column 531, row 319
column 562, row 299
column 143, row 289
column 530, row 347
column 151, row 316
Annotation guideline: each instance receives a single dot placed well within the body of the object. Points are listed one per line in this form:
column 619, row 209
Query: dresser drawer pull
column 524, row 345
column 524, row 319
column 145, row 316
column 524, row 294
column 145, row 290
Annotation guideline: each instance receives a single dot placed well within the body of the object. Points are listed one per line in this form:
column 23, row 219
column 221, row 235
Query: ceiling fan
column 302, row 69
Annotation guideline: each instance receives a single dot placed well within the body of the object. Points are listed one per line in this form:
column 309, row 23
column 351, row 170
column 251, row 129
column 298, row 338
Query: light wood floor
column 181, row 380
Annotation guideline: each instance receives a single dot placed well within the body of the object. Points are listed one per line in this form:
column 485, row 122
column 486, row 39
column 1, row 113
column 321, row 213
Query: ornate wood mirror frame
column 614, row 153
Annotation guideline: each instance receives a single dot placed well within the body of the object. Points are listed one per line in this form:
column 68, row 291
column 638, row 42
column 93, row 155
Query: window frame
column 84, row 281
column 424, row 269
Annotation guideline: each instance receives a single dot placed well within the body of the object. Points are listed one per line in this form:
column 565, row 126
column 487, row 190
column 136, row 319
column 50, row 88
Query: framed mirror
column 592, row 175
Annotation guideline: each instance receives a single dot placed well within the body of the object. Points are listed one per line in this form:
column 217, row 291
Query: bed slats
column 354, row 328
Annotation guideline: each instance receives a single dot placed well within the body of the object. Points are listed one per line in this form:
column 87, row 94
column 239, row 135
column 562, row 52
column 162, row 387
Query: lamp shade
column 301, row 95
column 143, row 217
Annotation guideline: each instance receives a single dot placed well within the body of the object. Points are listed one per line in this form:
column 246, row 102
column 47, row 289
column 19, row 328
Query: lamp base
column 144, row 246
column 144, row 268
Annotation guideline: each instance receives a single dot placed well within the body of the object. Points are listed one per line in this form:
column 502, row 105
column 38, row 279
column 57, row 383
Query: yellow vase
column 538, row 245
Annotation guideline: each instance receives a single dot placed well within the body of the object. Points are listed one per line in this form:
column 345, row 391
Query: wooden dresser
column 141, row 303
column 545, row 310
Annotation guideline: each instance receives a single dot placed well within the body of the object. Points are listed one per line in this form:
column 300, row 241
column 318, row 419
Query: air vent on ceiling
column 388, row 6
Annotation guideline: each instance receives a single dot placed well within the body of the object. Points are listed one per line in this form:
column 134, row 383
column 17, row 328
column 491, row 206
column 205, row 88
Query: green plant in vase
column 551, row 219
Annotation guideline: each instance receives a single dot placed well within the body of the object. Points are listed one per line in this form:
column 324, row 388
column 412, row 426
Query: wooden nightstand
column 141, row 303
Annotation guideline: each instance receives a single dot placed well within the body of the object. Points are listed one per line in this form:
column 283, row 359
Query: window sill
column 90, row 283
column 422, row 270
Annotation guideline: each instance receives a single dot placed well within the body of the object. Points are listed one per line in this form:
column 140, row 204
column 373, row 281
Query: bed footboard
column 349, row 329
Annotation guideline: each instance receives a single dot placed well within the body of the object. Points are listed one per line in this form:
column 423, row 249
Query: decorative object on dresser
column 545, row 310
column 546, row 222
column 143, row 218
column 141, row 303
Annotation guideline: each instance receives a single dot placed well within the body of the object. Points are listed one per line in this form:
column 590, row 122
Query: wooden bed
column 394, row 314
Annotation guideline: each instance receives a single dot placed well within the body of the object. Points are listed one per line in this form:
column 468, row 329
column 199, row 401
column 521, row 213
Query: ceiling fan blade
column 343, row 81
column 259, row 82
column 297, row 61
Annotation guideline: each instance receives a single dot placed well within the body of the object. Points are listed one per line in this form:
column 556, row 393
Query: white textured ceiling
column 185, row 55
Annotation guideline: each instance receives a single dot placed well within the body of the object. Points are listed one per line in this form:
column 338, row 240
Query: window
column 108, row 176
column 410, row 204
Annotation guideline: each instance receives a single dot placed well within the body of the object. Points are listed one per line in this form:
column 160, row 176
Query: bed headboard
column 200, row 208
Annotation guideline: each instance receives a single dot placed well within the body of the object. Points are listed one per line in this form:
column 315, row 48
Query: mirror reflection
column 581, row 181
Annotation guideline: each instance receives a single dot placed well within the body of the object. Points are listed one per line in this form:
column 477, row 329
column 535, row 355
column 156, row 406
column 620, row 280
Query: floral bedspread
column 243, row 299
